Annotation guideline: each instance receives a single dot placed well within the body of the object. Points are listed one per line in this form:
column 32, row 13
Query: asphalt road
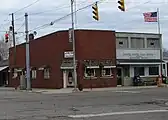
column 139, row 104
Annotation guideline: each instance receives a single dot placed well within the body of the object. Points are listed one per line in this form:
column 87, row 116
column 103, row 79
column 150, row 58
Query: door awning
column 2, row 68
column 138, row 62
column 67, row 64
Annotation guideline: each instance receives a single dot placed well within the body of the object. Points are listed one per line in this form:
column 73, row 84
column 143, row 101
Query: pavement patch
column 116, row 113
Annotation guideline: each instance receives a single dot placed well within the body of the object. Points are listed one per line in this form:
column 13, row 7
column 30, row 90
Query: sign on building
column 68, row 54
column 138, row 54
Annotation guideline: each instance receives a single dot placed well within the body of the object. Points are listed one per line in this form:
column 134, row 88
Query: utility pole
column 27, row 54
column 13, row 35
column 73, row 42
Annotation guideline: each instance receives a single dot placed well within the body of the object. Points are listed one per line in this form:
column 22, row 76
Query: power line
column 55, row 8
column 27, row 6
column 2, row 25
column 20, row 27
column 52, row 23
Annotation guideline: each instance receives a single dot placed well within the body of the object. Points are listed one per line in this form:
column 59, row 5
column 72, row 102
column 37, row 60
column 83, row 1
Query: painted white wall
column 131, row 71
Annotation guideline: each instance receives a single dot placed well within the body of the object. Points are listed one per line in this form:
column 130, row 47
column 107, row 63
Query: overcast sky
column 111, row 18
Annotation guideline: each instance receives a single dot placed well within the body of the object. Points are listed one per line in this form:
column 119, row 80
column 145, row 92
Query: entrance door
column 70, row 78
column 119, row 76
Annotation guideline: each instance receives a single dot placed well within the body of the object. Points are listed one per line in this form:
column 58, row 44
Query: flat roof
column 147, row 33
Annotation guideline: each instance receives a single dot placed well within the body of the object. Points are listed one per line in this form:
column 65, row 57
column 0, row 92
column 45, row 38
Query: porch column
column 64, row 79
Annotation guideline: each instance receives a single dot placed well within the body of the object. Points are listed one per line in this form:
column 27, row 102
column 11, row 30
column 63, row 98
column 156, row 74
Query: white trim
column 92, row 66
column 18, row 70
column 152, row 76
column 41, row 68
column 109, row 66
column 33, row 74
column 140, row 63
column 2, row 68
column 66, row 67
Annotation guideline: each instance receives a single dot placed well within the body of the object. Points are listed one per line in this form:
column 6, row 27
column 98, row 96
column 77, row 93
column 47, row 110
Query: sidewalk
column 70, row 90
column 7, row 89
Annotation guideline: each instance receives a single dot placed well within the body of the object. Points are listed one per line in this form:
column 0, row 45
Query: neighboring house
column 51, row 60
column 137, row 54
column 4, row 76
column 165, row 66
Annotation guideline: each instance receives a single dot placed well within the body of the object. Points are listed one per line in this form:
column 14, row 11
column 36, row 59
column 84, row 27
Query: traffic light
column 95, row 11
column 6, row 37
column 122, row 5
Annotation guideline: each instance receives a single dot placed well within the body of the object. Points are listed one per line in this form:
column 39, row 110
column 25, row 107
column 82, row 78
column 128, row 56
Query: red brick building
column 52, row 64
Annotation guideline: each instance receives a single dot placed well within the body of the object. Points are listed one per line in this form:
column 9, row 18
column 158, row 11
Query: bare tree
column 165, row 52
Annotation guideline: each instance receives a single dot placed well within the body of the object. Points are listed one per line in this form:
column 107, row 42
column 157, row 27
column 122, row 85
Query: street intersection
column 139, row 104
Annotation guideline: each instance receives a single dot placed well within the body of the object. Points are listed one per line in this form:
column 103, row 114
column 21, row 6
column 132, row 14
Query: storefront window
column 106, row 72
column 153, row 70
column 139, row 71
column 90, row 72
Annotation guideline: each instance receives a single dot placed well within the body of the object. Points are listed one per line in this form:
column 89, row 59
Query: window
column 89, row 72
column 106, row 72
column 46, row 73
column 153, row 43
column 139, row 71
column 121, row 43
column 137, row 42
column 153, row 70
column 33, row 74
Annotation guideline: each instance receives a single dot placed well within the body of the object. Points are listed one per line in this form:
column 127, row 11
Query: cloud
column 111, row 18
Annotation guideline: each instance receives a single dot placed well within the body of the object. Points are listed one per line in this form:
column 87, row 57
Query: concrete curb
column 66, row 91
column 63, row 91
